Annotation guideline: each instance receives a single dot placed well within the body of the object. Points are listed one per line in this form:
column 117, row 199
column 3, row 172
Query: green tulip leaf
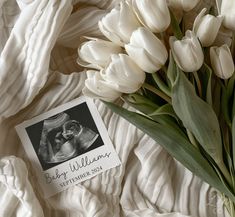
column 205, row 74
column 140, row 103
column 233, row 141
column 216, row 96
column 176, row 145
column 230, row 94
column 225, row 105
column 147, row 107
column 171, row 71
column 230, row 87
column 166, row 109
column 233, row 106
column 197, row 116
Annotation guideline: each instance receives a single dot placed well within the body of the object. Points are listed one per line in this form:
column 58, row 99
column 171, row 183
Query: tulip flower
column 96, row 53
column 148, row 52
column 124, row 73
column 187, row 52
column 97, row 87
column 119, row 24
column 153, row 14
column 206, row 27
column 228, row 11
column 222, row 61
column 186, row 5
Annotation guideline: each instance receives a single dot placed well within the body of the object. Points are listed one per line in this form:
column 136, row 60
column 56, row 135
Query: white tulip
column 154, row 14
column 148, row 52
column 96, row 87
column 119, row 24
column 96, row 53
column 228, row 11
column 185, row 5
column 222, row 61
column 124, row 73
column 187, row 52
column 206, row 27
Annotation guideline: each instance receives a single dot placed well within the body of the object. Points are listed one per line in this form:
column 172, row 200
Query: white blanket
column 38, row 71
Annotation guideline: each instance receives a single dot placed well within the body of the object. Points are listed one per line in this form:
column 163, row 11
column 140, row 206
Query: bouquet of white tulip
column 179, row 76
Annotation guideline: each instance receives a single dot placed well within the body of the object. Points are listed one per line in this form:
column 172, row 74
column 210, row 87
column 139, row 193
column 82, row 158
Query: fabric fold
column 15, row 186
column 25, row 71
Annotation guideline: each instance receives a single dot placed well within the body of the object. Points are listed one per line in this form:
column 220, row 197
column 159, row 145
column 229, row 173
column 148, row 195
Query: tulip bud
column 124, row 73
column 222, row 61
column 187, row 52
column 206, row 27
column 148, row 52
column 96, row 53
column 96, row 87
column 186, row 5
column 228, row 11
column 154, row 14
column 119, row 24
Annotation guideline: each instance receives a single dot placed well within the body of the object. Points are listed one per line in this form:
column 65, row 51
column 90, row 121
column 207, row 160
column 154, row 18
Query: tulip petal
column 189, row 5
column 119, row 24
column 128, row 22
column 228, row 11
column 96, row 87
column 198, row 19
column 96, row 53
column 124, row 73
column 206, row 27
column 227, row 64
column 186, row 61
column 187, row 52
column 186, row 5
column 153, row 14
column 143, row 59
column 146, row 50
column 145, row 38
column 221, row 61
column 110, row 35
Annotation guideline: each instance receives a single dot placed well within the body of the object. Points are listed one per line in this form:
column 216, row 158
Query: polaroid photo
column 67, row 145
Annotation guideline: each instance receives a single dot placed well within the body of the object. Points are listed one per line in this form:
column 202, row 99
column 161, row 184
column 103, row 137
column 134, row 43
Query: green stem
column 233, row 107
column 175, row 27
column 225, row 172
column 157, row 92
column 191, row 138
column 161, row 84
column 233, row 44
column 198, row 82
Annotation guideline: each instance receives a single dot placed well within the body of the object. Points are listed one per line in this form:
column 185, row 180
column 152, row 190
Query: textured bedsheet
column 38, row 71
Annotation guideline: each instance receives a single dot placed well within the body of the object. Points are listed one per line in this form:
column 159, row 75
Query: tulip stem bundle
column 157, row 92
column 161, row 85
column 183, row 85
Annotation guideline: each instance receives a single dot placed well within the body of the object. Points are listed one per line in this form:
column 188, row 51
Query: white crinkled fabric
column 38, row 72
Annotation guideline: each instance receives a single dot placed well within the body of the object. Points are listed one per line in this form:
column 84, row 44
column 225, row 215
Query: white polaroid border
column 75, row 170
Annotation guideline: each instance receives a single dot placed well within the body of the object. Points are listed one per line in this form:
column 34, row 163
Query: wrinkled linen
column 38, row 71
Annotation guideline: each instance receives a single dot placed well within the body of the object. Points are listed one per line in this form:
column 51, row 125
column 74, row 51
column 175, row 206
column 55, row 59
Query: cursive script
column 85, row 161
column 49, row 177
